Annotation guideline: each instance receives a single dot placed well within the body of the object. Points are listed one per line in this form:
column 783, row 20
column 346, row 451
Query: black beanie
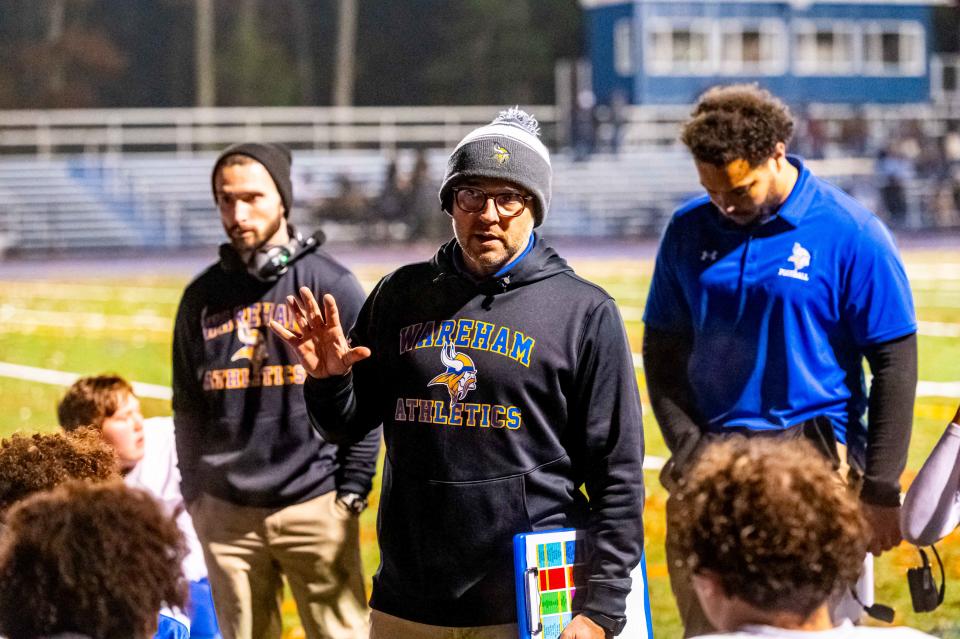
column 275, row 158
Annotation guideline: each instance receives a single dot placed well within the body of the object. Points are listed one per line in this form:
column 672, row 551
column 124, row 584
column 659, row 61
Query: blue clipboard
column 548, row 568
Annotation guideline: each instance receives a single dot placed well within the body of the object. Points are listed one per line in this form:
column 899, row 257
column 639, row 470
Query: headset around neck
column 269, row 263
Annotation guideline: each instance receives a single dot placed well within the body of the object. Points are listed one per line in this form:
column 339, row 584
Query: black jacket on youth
column 493, row 435
column 242, row 431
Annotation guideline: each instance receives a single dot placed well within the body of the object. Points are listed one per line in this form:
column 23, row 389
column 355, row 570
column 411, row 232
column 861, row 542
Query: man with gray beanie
column 268, row 496
column 505, row 385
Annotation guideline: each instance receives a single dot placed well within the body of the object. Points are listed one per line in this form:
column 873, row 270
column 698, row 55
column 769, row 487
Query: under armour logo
column 708, row 255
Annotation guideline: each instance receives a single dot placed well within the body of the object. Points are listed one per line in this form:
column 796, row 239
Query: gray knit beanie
column 509, row 148
column 275, row 158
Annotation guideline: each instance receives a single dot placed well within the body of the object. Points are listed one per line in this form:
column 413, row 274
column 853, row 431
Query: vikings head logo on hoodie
column 461, row 375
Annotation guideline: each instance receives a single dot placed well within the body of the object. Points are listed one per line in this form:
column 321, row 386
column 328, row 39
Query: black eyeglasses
column 473, row 200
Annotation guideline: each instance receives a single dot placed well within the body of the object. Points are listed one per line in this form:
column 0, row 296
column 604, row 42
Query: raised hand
column 320, row 344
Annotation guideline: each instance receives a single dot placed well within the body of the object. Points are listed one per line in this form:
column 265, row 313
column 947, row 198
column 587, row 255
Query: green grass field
column 123, row 324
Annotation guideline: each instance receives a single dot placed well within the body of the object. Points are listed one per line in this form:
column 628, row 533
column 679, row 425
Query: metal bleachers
column 625, row 195
column 138, row 201
column 176, row 196
column 91, row 179
column 45, row 207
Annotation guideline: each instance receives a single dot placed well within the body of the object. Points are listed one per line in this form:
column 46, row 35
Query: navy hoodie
column 499, row 400
column 242, row 431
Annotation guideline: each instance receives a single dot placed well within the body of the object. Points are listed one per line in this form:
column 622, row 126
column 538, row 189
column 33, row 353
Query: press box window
column 951, row 79
column 752, row 49
column 679, row 49
column 895, row 48
column 825, row 48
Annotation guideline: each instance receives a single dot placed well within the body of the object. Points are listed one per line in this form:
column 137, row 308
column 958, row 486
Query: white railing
column 189, row 129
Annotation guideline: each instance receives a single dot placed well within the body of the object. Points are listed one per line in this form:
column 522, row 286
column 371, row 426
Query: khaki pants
column 695, row 622
column 316, row 544
column 384, row 626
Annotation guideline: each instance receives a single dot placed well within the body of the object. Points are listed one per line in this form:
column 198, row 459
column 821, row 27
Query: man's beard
column 769, row 208
column 246, row 245
column 243, row 246
column 764, row 212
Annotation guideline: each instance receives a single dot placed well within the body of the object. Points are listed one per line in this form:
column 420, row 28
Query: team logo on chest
column 460, row 377
column 254, row 347
column 801, row 260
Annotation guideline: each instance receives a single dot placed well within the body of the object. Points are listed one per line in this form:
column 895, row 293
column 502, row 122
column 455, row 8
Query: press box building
column 842, row 51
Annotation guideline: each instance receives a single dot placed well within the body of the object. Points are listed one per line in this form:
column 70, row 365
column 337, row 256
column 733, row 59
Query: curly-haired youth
column 42, row 461
column 772, row 521
column 94, row 560
column 737, row 122
column 90, row 400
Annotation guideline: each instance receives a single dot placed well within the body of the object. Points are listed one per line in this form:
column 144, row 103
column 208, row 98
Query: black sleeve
column 890, row 418
column 357, row 464
column 665, row 357
column 188, row 401
column 606, row 410
column 346, row 409
column 356, row 461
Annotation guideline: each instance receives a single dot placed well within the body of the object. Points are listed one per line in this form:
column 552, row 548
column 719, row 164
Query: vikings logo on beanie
column 509, row 148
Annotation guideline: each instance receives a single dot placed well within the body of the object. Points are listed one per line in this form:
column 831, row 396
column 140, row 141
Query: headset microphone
column 877, row 611
column 268, row 264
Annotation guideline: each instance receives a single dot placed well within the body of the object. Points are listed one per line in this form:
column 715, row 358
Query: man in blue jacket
column 768, row 293
column 505, row 383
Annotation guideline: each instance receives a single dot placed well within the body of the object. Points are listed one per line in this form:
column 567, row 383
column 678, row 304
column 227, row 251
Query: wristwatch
column 612, row 626
column 353, row 502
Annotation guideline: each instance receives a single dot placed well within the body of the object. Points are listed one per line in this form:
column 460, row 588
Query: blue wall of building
column 649, row 88
column 600, row 26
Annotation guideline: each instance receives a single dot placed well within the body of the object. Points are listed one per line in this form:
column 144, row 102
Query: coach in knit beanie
column 274, row 157
column 509, row 148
